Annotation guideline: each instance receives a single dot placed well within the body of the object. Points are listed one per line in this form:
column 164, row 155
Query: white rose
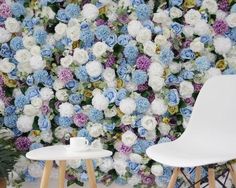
column 120, row 166
column 28, row 42
column 159, row 107
column 110, row 112
column 149, row 48
column 188, row 31
column 157, row 170
column 60, row 29
column 94, row 68
column 196, row 45
column 73, row 32
column 210, row 5
column 156, row 83
column 35, row 169
column 220, row 15
column 162, row 17
column 127, row 106
column 21, row 164
column 100, row 102
column 47, row 12
column 109, row 74
column 202, row 28
column 231, row 20
column 2, row 107
column 46, row 93
column 75, row 164
column 95, row 129
column 156, row 69
column 6, row 66
column 212, row 72
column 151, row 135
column 164, row 128
column 37, row 62
column 129, row 138
column 58, row 84
column 25, row 123
column 46, row 136
column 5, row 36
column 222, row 45
column 30, row 110
column 192, row 17
column 106, row 165
column 161, row 40
column 66, row 61
column 186, row 89
column 35, row 50
column 144, row 35
column 66, row 109
column 134, row 27
column 134, row 180
column 175, row 67
column 127, row 120
column 99, row 48
column 12, row 25
column 60, row 132
column 149, row 122
column 175, row 12
column 37, row 102
column 134, row 157
column 62, row 95
column 80, row 55
column 24, row 67
column 22, row 55
column 90, row 11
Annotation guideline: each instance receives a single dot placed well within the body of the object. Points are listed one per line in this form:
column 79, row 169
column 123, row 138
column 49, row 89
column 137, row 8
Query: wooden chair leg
column 197, row 176
column 62, row 172
column 91, row 174
column 173, row 178
column 46, row 174
column 211, row 178
column 232, row 173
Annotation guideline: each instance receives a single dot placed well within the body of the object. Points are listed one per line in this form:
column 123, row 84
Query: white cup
column 78, row 144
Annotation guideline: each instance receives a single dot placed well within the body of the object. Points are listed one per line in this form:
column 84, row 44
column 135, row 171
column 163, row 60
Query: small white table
column 60, row 153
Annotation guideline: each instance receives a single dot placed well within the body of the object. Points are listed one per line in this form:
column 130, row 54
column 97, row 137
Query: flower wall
column 124, row 74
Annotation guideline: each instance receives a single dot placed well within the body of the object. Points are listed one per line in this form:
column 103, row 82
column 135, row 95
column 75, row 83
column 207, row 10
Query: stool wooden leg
column 173, row 178
column 46, row 174
column 62, row 172
column 232, row 173
column 91, row 174
column 197, row 176
column 211, row 178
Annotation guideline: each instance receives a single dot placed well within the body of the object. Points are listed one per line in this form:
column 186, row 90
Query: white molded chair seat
column 210, row 136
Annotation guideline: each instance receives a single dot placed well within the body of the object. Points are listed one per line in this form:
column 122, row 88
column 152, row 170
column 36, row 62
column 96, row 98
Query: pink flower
column 80, row 119
column 65, row 75
column 5, row 10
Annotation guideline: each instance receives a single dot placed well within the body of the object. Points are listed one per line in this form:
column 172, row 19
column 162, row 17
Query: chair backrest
column 214, row 112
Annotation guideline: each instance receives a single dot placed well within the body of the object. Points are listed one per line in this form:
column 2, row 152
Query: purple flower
column 186, row 44
column 2, row 93
column 148, row 179
column 22, row 143
column 65, row 75
column 5, row 10
column 45, row 109
column 223, row 5
column 124, row 127
column 220, row 27
column 197, row 87
column 80, row 119
column 143, row 62
column 124, row 19
column 124, row 149
column 110, row 61
column 189, row 101
column 151, row 97
column 1, row 80
column 100, row 22
column 142, row 87
column 70, row 177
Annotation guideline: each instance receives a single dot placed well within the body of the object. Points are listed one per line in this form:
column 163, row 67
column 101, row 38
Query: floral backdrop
column 124, row 74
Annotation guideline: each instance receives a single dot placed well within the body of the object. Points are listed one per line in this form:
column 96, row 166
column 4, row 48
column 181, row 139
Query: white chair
column 210, row 136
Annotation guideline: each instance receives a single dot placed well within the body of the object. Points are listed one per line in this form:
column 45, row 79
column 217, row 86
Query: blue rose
column 186, row 111
column 121, row 94
column 65, row 121
column 84, row 26
column 110, row 127
column 111, row 40
column 18, row 9
column 202, row 63
column 77, row 108
column 84, row 177
column 102, row 32
column 5, row 51
column 16, row 43
column 131, row 52
column 142, row 104
column 143, row 12
column 110, row 94
column 95, row 115
column 233, row 9
column 21, row 101
column 173, row 97
column 9, row 110
column 32, row 92
column 72, row 84
column 158, row 30
column 187, row 75
column 172, row 80
column 142, row 132
column 120, row 180
column 29, row 23
column 133, row 167
column 229, row 71
column 187, row 54
column 135, row 3
column 72, row 10
column 177, row 28
column 81, row 74
column 149, row 25
column 176, row 2
column 123, row 40
column 40, row 36
column 139, row 77
column 166, row 56
column 46, row 51
column 35, row 146
column 123, row 72
column 40, row 76
column 141, row 146
column 62, row 16
column 44, row 123
column 30, row 80
column 87, row 37
column 232, row 34
column 75, row 98
column 206, row 39
column 10, row 120
column 84, row 133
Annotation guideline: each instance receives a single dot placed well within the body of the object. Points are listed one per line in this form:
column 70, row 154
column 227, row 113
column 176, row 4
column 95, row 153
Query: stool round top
column 60, row 152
